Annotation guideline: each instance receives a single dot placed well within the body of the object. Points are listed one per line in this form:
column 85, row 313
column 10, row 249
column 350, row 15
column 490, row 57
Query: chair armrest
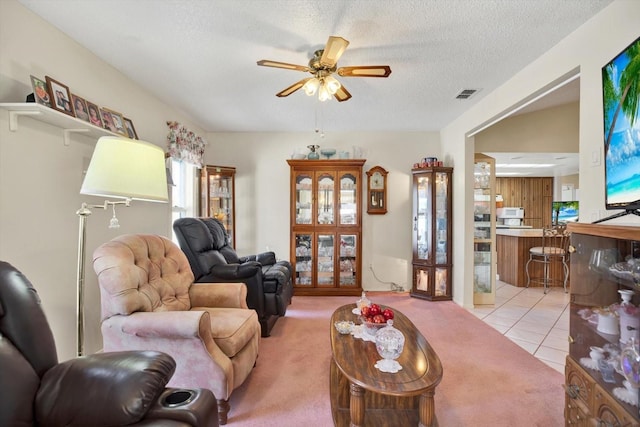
column 230, row 295
column 163, row 324
column 103, row 389
column 235, row 271
column 200, row 411
column 184, row 335
column 264, row 258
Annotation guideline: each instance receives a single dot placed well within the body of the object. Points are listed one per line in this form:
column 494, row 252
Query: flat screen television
column 563, row 212
column 621, row 108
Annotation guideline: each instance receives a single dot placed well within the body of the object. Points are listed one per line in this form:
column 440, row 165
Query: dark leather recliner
column 269, row 282
column 105, row 389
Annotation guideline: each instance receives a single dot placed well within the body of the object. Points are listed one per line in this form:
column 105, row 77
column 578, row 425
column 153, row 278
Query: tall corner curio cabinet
column 326, row 226
column 432, row 202
column 484, row 230
column 217, row 196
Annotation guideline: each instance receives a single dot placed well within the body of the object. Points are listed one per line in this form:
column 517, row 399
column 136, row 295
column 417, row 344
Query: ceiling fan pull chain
column 319, row 117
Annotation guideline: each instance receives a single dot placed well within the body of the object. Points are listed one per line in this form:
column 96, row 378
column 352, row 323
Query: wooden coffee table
column 361, row 395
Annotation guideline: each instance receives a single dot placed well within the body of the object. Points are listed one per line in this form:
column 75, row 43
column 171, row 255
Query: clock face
column 377, row 181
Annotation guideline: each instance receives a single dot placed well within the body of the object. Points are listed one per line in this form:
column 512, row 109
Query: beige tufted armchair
column 149, row 302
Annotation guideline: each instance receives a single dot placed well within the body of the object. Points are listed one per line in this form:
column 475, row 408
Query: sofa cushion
column 232, row 328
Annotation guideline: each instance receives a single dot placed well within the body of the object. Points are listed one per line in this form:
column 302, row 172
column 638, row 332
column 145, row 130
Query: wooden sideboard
column 595, row 282
column 512, row 247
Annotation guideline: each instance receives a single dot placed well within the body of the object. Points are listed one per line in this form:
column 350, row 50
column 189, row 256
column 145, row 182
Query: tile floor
column 537, row 322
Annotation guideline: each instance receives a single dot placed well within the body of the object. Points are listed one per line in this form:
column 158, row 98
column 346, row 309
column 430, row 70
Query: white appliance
column 510, row 216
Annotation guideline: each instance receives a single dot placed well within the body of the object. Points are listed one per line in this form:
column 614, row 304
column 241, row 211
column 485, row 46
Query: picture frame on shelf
column 113, row 121
column 80, row 108
column 129, row 128
column 95, row 118
column 40, row 91
column 107, row 120
column 60, row 96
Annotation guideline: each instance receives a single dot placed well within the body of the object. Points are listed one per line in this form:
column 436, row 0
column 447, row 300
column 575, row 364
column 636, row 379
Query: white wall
column 587, row 49
column 40, row 178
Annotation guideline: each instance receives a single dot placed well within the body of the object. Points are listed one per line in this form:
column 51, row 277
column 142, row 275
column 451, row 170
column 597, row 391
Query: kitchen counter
column 512, row 247
column 519, row 232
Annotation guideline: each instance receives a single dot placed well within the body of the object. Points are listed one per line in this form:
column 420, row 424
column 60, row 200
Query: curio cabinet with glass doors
column 432, row 202
column 326, row 226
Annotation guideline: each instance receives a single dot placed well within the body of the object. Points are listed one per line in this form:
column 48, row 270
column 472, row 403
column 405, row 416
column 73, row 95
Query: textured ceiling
column 200, row 55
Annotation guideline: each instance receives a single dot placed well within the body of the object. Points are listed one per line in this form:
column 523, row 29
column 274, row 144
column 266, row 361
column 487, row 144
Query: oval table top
column 421, row 367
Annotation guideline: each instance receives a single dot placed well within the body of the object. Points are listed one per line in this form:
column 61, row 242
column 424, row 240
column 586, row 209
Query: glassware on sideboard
column 604, row 313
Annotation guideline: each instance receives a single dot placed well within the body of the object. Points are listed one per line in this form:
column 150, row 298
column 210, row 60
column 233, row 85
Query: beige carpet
column 487, row 380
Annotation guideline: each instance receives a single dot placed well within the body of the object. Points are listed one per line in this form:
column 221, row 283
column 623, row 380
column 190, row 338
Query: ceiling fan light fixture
column 321, row 67
column 311, row 86
column 332, row 84
column 323, row 93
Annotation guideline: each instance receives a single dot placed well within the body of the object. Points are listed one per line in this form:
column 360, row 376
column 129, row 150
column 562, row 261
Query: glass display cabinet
column 217, row 198
column 432, row 202
column 601, row 380
column 484, row 232
column 326, row 226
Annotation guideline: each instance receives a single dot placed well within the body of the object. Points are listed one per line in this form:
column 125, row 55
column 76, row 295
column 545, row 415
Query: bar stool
column 555, row 247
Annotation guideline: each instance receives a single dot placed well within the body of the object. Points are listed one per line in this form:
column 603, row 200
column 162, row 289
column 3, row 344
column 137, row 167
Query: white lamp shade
column 126, row 168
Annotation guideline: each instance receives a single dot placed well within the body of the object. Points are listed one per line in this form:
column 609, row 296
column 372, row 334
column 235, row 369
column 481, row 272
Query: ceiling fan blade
column 365, row 71
column 286, row 66
column 294, row 87
column 333, row 51
column 342, row 94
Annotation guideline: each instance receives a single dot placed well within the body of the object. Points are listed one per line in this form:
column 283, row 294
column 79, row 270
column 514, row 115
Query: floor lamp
column 124, row 169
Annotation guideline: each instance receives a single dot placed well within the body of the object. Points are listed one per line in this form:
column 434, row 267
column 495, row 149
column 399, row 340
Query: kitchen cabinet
column 326, row 226
column 484, row 234
column 217, row 197
column 535, row 195
column 600, row 268
column 432, row 233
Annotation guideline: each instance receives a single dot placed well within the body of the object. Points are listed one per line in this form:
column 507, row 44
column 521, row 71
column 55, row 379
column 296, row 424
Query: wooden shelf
column 68, row 124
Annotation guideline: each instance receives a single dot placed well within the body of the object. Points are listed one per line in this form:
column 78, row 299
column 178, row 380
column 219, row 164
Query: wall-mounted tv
column 563, row 212
column 621, row 107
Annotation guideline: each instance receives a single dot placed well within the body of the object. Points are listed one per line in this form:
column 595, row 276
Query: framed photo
column 40, row 92
column 128, row 126
column 113, row 121
column 60, row 96
column 94, row 114
column 80, row 107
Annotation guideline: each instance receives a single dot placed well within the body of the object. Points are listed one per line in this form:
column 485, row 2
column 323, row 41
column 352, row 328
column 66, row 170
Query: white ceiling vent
column 466, row 93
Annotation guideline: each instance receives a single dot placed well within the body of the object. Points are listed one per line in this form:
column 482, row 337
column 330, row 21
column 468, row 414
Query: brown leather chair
column 106, row 389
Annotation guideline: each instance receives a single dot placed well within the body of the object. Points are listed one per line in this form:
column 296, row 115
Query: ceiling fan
column 322, row 66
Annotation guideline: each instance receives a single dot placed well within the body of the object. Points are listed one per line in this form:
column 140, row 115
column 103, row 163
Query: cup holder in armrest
column 197, row 407
column 178, row 397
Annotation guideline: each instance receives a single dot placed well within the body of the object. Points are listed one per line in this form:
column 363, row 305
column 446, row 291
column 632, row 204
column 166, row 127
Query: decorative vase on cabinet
column 484, row 224
column 217, row 196
column 326, row 226
column 432, row 202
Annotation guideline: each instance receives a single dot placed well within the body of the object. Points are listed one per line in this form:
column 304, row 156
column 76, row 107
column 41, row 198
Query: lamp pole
column 82, row 213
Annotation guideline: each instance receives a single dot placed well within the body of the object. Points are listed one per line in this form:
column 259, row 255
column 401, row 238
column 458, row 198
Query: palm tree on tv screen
column 626, row 95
